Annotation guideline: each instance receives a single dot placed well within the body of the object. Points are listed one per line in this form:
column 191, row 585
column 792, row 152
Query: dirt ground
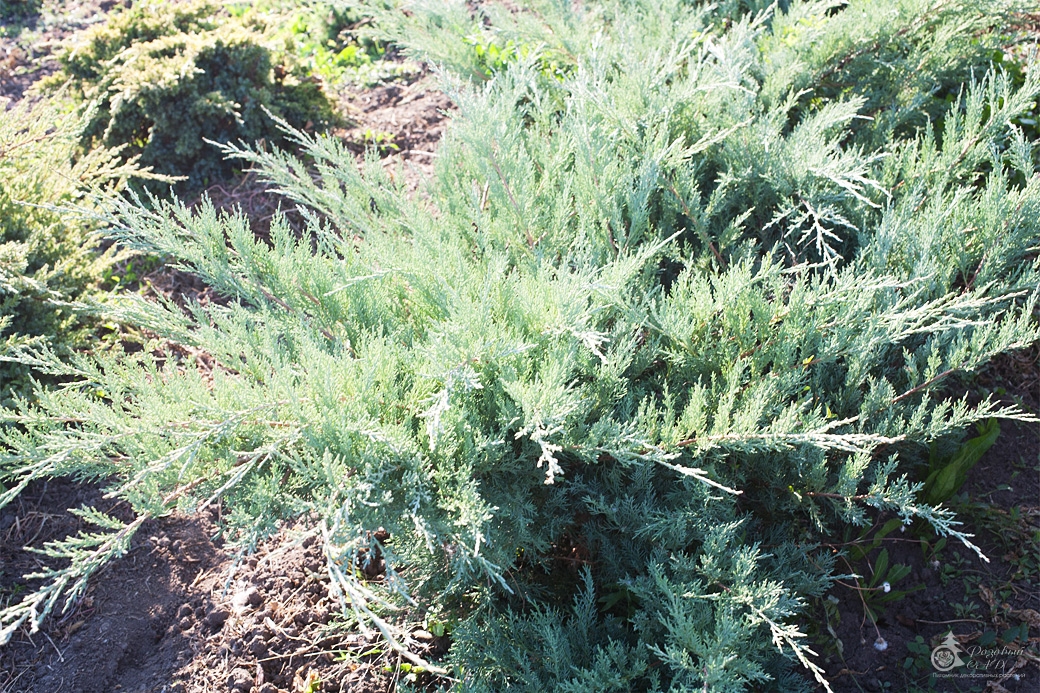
column 953, row 591
column 29, row 43
column 985, row 606
column 179, row 613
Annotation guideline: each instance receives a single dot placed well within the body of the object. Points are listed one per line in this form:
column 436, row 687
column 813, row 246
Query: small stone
column 267, row 688
column 321, row 615
column 257, row 647
column 240, row 680
column 423, row 635
column 216, row 618
column 185, row 611
column 185, row 623
column 247, row 597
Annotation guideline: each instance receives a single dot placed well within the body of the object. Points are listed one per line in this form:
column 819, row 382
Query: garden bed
column 180, row 612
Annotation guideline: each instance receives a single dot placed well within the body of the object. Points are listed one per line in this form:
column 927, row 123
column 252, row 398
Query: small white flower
column 880, row 644
column 886, row 587
column 935, row 564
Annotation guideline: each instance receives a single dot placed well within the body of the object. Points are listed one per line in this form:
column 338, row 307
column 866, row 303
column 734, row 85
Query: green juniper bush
column 47, row 263
column 681, row 298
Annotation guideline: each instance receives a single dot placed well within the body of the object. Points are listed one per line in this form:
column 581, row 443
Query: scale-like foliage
column 167, row 77
column 46, row 262
column 648, row 320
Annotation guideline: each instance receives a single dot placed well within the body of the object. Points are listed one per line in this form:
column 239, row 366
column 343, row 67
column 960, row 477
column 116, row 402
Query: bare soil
column 180, row 613
column 29, row 43
column 414, row 115
column 984, row 605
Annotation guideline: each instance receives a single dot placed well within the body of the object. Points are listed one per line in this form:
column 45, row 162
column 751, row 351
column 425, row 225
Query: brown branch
column 815, row 494
column 923, row 386
column 271, row 297
column 689, row 215
column 24, row 143
column 512, row 200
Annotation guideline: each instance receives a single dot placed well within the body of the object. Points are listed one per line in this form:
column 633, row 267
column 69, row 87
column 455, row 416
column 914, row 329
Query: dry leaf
column 1029, row 616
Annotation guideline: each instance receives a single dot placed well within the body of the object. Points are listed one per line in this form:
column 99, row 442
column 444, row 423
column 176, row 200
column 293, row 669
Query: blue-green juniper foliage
column 681, row 297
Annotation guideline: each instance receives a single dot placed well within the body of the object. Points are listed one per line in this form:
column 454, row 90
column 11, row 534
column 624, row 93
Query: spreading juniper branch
column 653, row 292
column 86, row 554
